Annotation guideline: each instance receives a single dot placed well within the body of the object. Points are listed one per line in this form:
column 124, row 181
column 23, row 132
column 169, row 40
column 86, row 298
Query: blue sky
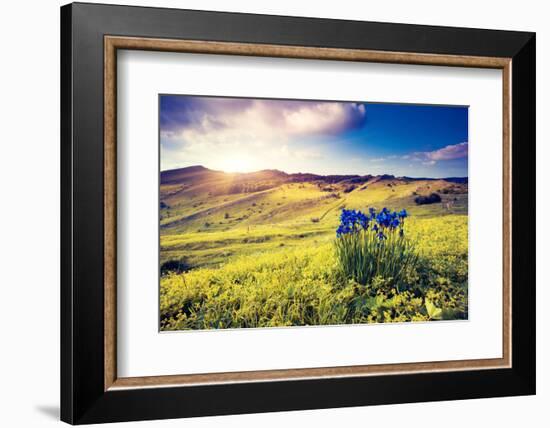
column 322, row 137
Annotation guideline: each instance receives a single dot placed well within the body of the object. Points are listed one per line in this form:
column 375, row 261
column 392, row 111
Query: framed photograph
column 265, row 213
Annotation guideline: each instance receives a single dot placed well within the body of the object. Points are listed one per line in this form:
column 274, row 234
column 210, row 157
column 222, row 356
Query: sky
column 321, row 137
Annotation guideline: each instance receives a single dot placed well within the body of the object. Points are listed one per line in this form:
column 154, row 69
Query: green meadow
column 258, row 250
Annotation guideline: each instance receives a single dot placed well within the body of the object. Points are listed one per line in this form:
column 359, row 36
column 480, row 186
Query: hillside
column 208, row 216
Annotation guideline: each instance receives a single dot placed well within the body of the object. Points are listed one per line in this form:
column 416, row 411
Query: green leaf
column 434, row 312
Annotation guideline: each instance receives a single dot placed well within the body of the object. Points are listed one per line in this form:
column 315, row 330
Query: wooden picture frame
column 91, row 390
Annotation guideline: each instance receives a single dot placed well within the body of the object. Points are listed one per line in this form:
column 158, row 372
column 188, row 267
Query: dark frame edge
column 66, row 129
column 524, row 196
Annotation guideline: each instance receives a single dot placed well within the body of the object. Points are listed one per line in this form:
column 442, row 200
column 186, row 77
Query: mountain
column 208, row 216
column 188, row 175
column 200, row 199
column 219, row 182
column 275, row 177
column 459, row 180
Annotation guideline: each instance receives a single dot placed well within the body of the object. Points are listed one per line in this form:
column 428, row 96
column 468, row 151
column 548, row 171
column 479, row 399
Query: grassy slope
column 259, row 249
column 301, row 286
column 206, row 225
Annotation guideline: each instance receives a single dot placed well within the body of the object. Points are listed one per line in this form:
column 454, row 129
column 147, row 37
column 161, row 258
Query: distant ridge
column 190, row 173
column 187, row 169
column 458, row 180
column 199, row 171
column 201, row 199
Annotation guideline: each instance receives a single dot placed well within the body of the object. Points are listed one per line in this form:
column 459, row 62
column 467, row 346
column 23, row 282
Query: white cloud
column 453, row 151
column 265, row 121
column 450, row 152
column 216, row 128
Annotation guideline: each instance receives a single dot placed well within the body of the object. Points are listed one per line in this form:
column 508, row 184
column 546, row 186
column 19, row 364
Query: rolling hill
column 208, row 216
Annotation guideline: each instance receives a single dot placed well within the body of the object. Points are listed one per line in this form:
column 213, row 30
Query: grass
column 286, row 210
column 362, row 256
column 266, row 257
column 304, row 286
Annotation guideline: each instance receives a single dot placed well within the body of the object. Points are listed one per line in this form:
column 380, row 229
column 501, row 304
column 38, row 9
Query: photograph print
column 281, row 213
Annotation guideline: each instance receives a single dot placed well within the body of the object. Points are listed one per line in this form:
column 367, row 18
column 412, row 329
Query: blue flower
column 355, row 221
column 363, row 220
column 383, row 219
column 372, row 213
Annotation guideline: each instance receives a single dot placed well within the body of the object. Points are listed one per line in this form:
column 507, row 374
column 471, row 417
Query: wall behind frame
column 29, row 219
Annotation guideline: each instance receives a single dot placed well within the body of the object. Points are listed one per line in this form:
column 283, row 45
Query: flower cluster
column 354, row 221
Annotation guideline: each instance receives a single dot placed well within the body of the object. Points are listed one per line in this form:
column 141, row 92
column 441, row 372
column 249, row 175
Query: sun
column 237, row 163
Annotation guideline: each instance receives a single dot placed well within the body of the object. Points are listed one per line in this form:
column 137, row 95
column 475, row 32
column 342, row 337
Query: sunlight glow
column 237, row 163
